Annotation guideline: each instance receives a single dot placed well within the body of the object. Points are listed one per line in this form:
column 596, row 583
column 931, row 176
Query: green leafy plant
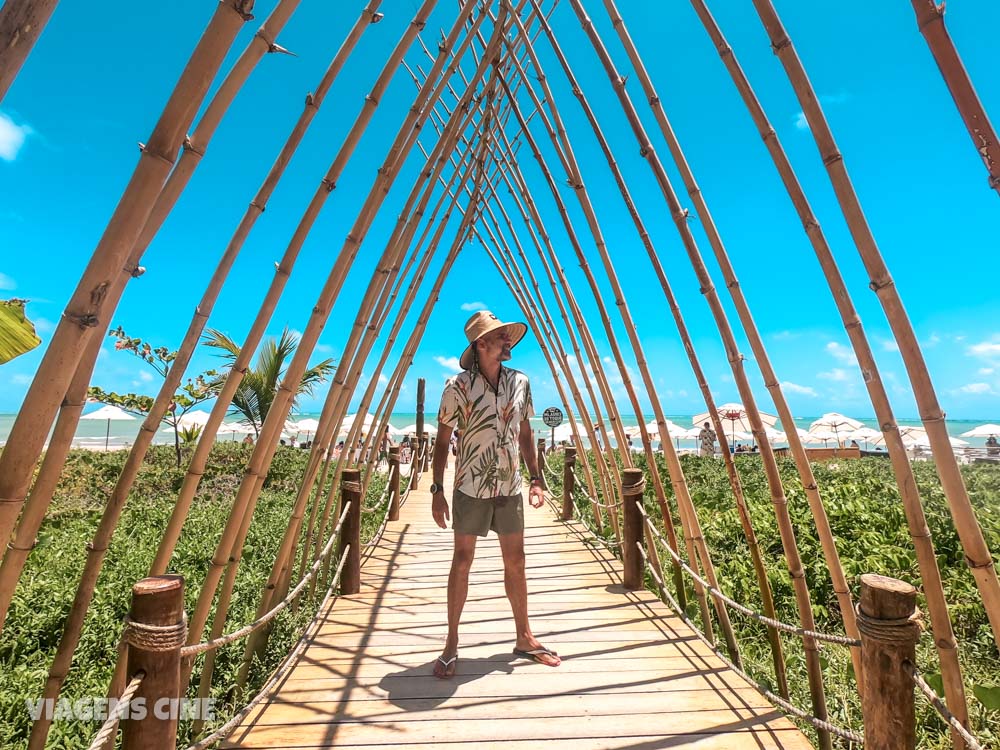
column 195, row 391
column 256, row 391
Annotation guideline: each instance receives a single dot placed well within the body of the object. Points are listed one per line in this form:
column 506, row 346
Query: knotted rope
column 899, row 630
column 155, row 637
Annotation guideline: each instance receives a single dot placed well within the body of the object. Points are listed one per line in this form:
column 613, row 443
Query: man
column 489, row 405
column 707, row 440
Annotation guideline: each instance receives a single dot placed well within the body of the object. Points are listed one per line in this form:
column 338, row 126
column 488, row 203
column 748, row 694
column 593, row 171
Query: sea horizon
column 91, row 433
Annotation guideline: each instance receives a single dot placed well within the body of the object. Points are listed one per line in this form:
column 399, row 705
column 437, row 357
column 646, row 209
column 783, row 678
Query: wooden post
column 425, row 451
column 414, row 464
column 394, row 483
column 157, row 603
column 541, row 463
column 350, row 492
column 633, row 486
column 889, row 635
column 421, row 388
column 569, row 482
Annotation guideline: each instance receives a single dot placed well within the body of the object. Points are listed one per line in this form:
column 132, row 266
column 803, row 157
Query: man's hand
column 536, row 496
column 439, row 509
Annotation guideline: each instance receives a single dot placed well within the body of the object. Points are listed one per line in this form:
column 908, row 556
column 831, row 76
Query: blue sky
column 95, row 84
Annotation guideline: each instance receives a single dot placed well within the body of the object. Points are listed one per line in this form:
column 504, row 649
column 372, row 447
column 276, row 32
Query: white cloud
column 800, row 121
column 12, row 137
column 837, row 374
column 382, row 379
column 784, row 335
column 932, row 341
column 7, row 283
column 43, row 325
column 800, row 118
column 986, row 349
column 472, row 306
column 889, row 345
column 142, row 378
column 841, row 353
column 20, row 378
column 802, row 390
column 450, row 363
column 976, row 389
column 985, row 371
column 323, row 348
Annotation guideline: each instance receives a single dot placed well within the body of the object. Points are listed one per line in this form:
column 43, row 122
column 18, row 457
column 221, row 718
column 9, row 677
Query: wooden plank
column 365, row 678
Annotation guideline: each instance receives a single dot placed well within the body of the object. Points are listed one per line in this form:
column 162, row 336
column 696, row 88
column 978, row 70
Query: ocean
column 91, row 434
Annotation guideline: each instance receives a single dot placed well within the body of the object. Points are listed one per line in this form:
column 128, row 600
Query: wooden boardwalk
column 633, row 675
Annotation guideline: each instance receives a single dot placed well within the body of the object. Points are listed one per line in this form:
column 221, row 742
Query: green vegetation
column 867, row 519
column 47, row 587
column 17, row 333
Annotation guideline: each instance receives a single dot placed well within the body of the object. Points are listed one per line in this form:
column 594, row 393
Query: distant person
column 248, row 440
column 706, row 439
column 854, row 444
column 992, row 446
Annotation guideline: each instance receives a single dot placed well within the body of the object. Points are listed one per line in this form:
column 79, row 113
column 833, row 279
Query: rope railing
column 938, row 704
column 225, row 640
column 110, row 725
column 378, row 503
column 776, row 624
column 224, row 731
column 777, row 700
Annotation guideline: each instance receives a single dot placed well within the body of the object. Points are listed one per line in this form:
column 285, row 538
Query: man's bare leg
column 458, row 590
column 516, row 585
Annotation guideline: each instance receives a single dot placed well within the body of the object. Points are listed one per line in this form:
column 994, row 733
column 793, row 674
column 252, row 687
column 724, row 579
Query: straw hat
column 479, row 325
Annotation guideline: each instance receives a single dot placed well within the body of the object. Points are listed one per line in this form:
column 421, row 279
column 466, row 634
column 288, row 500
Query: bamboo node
column 376, row 17
column 91, row 547
column 277, row 48
column 779, row 46
column 976, row 565
column 13, row 545
column 258, row 206
column 188, row 145
column 725, row 50
column 135, row 271
column 243, row 7
column 331, row 185
column 878, row 286
column 833, row 158
column 84, row 321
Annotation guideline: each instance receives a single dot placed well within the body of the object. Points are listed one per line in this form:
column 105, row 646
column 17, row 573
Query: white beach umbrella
column 983, row 431
column 911, row 435
column 411, row 429
column 237, row 428
column 809, row 438
column 775, row 436
column 825, row 435
column 867, row 434
column 835, row 422
column 109, row 412
column 735, row 418
column 196, row 418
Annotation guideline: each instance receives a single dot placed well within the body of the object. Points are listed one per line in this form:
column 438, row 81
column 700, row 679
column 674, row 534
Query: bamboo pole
column 676, row 475
column 771, row 470
column 735, row 483
column 926, row 557
column 270, row 594
column 977, row 554
column 246, row 497
column 21, row 23
column 331, row 418
column 69, row 413
column 597, row 367
column 564, row 362
column 930, row 21
column 86, row 309
column 282, row 271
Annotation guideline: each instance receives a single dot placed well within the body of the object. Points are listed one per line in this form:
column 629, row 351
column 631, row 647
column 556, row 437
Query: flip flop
column 446, row 663
column 535, row 653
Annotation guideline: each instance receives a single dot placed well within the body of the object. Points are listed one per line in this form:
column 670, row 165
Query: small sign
column 552, row 416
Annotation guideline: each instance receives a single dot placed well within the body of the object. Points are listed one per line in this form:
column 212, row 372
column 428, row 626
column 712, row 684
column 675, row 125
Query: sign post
column 553, row 417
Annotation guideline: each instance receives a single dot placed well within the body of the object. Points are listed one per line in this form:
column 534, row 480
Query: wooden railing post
column 425, row 452
column 889, row 632
column 633, row 486
column 155, row 633
column 394, row 483
column 350, row 533
column 541, row 463
column 569, row 482
column 415, row 465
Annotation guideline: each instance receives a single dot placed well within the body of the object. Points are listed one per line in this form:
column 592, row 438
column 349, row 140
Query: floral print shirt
column 489, row 423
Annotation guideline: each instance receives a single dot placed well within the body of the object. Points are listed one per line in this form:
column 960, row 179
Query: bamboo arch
column 469, row 188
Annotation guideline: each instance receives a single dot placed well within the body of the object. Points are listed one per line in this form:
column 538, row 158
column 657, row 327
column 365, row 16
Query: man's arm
column 526, row 442
column 439, row 505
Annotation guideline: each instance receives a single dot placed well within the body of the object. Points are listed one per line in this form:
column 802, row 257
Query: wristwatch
column 436, row 488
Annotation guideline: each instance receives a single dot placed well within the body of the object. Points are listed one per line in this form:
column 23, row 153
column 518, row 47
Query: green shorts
column 479, row 516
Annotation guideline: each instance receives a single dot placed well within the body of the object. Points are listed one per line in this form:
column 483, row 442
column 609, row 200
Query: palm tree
column 256, row 391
